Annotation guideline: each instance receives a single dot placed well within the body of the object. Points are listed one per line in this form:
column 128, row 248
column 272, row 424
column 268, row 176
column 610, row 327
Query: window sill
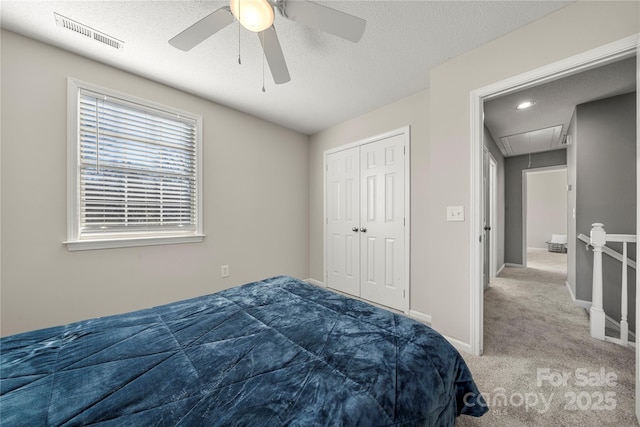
column 86, row 245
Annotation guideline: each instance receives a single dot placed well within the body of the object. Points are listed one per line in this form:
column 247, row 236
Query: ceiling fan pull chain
column 239, row 31
column 263, row 56
column 239, row 60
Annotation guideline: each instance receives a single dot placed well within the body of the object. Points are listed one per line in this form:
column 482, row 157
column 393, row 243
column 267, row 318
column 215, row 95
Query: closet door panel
column 382, row 222
column 343, row 216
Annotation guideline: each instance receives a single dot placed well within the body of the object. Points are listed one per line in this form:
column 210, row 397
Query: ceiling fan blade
column 275, row 57
column 203, row 29
column 323, row 18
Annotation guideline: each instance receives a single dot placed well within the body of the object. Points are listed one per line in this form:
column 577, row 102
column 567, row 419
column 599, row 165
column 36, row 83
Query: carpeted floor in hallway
column 540, row 366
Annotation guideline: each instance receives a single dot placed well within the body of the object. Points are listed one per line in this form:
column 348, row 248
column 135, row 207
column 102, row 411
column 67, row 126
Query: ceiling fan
column 258, row 16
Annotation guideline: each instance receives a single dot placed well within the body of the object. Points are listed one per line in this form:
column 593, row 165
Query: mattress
column 269, row 353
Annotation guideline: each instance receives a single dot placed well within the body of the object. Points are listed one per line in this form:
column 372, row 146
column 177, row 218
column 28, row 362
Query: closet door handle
column 364, row 230
column 354, row 229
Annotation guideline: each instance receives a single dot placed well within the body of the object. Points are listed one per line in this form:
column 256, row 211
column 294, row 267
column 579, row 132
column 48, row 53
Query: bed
column 269, row 353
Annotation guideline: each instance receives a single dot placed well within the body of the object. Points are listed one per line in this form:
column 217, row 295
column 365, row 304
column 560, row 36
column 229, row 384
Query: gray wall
column 514, row 166
column 606, row 189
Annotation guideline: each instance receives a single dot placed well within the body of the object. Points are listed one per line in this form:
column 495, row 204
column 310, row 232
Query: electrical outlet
column 224, row 271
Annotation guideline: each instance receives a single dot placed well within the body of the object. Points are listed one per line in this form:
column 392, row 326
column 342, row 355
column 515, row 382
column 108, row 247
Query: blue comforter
column 269, row 353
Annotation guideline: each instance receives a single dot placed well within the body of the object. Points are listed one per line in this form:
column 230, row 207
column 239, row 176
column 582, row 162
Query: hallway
column 540, row 366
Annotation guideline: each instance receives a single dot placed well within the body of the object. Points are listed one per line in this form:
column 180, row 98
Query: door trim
column 406, row 133
column 525, row 205
column 493, row 213
column 615, row 51
column 489, row 201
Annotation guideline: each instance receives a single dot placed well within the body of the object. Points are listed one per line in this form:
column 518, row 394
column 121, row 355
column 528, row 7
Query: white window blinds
column 136, row 169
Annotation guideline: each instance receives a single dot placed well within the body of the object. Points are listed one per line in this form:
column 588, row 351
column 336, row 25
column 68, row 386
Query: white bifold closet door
column 365, row 203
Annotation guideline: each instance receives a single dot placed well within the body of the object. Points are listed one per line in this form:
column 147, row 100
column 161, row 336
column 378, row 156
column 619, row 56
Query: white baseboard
column 459, row 345
column 573, row 296
column 509, row 264
column 420, row 317
column 580, row 303
column 315, row 283
column 500, row 270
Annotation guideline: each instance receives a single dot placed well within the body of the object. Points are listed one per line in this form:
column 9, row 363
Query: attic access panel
column 533, row 141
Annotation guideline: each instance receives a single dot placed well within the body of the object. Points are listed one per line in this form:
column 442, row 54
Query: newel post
column 598, row 240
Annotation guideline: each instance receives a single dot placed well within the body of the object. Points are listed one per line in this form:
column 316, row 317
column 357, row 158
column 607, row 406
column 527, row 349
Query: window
column 134, row 171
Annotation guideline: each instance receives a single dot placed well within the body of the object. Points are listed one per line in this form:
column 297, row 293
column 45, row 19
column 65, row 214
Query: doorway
column 545, row 210
column 609, row 53
column 616, row 51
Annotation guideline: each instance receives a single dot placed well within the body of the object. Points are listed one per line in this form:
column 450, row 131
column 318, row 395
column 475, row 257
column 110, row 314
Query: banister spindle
column 598, row 240
column 624, row 324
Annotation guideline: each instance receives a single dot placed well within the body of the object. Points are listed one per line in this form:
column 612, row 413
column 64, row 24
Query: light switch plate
column 455, row 213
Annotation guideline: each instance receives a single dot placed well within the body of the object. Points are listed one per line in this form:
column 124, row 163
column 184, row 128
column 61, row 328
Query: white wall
column 256, row 210
column 574, row 29
column 546, row 206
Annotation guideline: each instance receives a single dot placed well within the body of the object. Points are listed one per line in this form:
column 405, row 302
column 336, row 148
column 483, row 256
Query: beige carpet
column 540, row 366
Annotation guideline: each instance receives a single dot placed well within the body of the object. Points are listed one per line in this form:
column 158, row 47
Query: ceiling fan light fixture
column 254, row 15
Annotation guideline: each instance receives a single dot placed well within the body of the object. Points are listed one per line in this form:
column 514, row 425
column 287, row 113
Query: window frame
column 75, row 239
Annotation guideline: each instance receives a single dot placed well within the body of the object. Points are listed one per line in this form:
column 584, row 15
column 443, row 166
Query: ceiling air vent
column 76, row 27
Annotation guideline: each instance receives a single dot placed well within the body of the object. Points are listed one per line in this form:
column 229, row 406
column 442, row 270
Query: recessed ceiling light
column 525, row 105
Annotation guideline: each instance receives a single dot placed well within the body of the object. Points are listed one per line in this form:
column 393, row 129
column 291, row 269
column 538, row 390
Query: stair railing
column 598, row 240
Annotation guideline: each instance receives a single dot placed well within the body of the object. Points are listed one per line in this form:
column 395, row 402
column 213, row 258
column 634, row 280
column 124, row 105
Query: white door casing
column 486, row 220
column 493, row 213
column 367, row 219
column 611, row 52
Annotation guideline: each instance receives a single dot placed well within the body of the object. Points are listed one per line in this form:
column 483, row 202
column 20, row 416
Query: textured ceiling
column 332, row 80
column 555, row 103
